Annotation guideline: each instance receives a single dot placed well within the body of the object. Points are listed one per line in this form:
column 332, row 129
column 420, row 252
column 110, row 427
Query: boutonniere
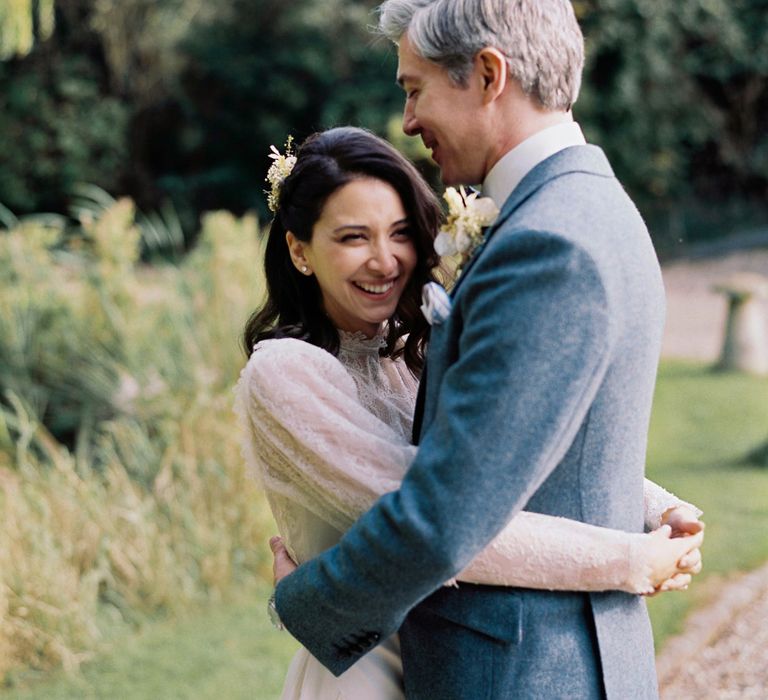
column 468, row 215
column 435, row 303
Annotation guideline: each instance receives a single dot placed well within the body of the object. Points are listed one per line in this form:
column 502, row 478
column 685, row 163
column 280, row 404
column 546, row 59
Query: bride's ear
column 296, row 250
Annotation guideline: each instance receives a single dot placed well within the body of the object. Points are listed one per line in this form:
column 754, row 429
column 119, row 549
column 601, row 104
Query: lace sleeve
column 658, row 501
column 308, row 438
column 539, row 551
column 544, row 551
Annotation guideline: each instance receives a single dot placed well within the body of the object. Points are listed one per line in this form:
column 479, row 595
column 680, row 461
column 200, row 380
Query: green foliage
column 178, row 101
column 262, row 70
column 143, row 64
column 677, row 93
column 223, row 652
column 121, row 482
column 63, row 130
column 22, row 22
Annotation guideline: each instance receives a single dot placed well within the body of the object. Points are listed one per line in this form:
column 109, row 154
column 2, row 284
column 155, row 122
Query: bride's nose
column 382, row 259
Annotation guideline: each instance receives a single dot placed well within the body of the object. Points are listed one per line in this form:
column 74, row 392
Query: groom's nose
column 410, row 123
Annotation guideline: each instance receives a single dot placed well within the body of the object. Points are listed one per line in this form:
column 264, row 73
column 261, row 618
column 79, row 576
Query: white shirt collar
column 517, row 163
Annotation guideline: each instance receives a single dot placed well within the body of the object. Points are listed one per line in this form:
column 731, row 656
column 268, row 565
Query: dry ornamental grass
column 122, row 489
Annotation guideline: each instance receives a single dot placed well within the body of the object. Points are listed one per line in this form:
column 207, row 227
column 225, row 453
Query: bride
column 326, row 399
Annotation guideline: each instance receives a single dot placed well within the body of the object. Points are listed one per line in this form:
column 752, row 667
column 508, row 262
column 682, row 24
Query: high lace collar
column 358, row 342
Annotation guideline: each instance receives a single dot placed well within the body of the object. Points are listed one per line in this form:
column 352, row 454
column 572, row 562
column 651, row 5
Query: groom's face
column 445, row 115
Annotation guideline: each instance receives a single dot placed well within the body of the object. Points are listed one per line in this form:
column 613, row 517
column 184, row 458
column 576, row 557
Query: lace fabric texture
column 327, row 436
column 658, row 501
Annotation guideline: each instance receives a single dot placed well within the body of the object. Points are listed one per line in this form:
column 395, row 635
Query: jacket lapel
column 588, row 159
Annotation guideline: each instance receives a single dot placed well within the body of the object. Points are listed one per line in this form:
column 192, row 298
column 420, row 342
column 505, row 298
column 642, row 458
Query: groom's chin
column 457, row 178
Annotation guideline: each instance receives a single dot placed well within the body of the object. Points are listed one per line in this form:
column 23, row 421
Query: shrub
column 122, row 489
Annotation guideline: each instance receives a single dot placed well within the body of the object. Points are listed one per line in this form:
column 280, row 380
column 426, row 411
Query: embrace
column 459, row 477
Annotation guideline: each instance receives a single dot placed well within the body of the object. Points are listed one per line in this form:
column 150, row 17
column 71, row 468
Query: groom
column 539, row 383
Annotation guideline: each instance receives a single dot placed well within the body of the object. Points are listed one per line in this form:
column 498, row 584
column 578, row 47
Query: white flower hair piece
column 281, row 168
column 468, row 214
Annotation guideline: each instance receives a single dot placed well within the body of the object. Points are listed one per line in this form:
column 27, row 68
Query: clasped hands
column 675, row 554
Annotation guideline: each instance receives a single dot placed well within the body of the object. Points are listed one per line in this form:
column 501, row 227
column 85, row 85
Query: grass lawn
column 703, row 425
column 222, row 652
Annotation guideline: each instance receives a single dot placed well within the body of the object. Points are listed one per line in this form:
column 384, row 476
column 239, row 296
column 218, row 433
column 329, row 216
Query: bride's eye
column 406, row 232
column 349, row 237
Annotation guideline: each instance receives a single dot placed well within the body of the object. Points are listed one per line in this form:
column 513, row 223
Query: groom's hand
column 282, row 564
column 683, row 521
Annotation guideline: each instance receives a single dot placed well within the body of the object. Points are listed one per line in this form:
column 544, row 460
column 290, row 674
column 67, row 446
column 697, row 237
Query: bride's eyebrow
column 350, row 227
column 362, row 227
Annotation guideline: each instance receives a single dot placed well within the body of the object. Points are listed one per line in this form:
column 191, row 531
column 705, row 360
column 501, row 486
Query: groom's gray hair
column 541, row 39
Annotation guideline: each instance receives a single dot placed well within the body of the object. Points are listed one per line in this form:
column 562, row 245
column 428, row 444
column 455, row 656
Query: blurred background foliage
column 677, row 93
column 178, row 100
column 123, row 494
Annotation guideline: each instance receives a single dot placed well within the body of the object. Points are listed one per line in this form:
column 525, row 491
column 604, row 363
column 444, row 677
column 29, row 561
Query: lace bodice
column 328, row 435
column 385, row 387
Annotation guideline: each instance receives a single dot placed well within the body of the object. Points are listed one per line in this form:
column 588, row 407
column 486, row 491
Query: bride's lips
column 376, row 290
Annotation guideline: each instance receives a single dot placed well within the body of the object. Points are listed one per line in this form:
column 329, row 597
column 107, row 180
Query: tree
column 677, row 93
column 264, row 69
column 181, row 99
column 22, row 23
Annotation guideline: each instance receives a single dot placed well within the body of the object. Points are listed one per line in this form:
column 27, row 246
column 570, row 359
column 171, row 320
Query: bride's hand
column 672, row 561
column 282, row 564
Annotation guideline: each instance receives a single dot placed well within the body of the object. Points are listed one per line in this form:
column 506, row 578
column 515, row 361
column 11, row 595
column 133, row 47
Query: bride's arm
column 660, row 503
column 311, row 440
column 308, row 438
column 541, row 551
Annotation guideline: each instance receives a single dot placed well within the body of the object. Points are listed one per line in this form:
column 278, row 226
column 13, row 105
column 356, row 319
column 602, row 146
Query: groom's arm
column 532, row 353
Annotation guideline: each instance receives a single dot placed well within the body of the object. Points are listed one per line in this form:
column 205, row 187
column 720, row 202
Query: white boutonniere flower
column 468, row 214
column 435, row 303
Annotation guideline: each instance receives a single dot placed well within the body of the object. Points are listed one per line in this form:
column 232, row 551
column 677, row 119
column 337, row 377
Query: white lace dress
column 328, row 435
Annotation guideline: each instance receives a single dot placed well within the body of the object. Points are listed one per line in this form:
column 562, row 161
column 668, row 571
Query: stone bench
column 745, row 346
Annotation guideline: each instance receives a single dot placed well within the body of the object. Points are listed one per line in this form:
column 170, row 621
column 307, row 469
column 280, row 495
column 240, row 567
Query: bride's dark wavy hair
column 325, row 162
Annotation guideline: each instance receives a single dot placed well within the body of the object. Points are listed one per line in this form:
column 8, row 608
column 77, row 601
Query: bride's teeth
column 376, row 288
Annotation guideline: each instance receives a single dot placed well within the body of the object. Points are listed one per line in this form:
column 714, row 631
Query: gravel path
column 723, row 652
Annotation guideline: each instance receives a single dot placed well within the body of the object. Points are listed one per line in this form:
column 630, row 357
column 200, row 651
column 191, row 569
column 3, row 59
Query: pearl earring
column 304, row 269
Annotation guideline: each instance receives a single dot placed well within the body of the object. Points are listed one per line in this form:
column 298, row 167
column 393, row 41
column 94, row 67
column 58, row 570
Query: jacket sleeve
column 535, row 321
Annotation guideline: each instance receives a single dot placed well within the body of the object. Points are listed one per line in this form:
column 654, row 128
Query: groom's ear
column 491, row 65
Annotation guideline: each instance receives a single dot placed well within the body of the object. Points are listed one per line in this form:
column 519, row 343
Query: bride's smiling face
column 361, row 253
